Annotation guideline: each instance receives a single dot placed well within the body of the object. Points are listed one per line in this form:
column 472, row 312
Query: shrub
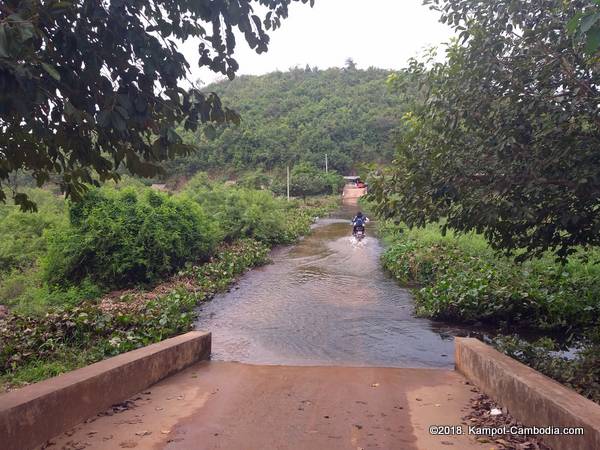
column 250, row 213
column 66, row 337
column 461, row 279
column 22, row 239
column 26, row 293
column 117, row 238
column 306, row 180
column 120, row 236
column 256, row 179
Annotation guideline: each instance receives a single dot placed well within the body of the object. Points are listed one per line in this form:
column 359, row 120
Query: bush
column 306, row 180
column 256, row 179
column 250, row 213
column 23, row 242
column 36, row 347
column 461, row 279
column 22, row 239
column 117, row 238
column 26, row 293
column 130, row 234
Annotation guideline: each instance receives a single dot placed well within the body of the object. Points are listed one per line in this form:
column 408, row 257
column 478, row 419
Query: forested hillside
column 300, row 115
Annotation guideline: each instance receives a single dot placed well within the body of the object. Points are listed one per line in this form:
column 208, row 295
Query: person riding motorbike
column 359, row 222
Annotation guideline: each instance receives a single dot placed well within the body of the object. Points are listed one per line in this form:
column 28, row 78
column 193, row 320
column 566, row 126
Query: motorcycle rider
column 359, row 222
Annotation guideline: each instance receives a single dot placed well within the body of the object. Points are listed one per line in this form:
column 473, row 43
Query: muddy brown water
column 325, row 301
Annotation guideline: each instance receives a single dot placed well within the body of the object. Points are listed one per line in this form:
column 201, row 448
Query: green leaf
column 62, row 5
column 27, row 31
column 51, row 71
column 573, row 24
column 593, row 41
column 172, row 136
column 24, row 202
column 3, row 42
column 588, row 22
column 210, row 132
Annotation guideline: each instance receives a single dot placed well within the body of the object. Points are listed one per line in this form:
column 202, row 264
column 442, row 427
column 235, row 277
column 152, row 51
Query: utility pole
column 326, row 164
column 288, row 183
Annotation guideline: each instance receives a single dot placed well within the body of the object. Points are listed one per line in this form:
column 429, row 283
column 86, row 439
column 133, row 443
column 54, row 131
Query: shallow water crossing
column 324, row 301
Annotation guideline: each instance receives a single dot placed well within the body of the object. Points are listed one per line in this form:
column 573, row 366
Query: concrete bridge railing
column 34, row 414
column 531, row 398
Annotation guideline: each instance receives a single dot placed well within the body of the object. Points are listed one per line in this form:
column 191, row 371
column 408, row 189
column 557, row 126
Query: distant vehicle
column 355, row 181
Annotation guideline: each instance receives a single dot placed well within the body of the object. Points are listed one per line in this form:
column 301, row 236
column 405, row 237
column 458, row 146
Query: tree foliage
column 87, row 86
column 244, row 212
column 307, row 180
column 585, row 26
column 505, row 139
column 299, row 116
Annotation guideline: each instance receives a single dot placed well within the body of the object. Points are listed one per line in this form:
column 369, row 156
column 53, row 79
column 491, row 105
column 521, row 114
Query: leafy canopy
column 585, row 26
column 87, row 87
column 299, row 116
column 307, row 180
column 505, row 139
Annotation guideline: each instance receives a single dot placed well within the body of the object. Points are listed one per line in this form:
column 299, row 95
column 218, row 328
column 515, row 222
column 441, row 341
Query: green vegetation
column 36, row 347
column 243, row 212
column 584, row 27
column 460, row 279
column 116, row 238
column 307, row 180
column 493, row 149
column 189, row 246
column 503, row 138
column 496, row 178
column 89, row 87
column 299, row 116
column 23, row 234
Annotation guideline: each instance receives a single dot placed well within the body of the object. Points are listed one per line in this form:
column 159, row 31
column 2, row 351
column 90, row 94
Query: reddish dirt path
column 216, row 405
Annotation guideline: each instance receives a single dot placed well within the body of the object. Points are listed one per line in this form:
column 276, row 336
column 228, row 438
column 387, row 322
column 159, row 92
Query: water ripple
column 324, row 301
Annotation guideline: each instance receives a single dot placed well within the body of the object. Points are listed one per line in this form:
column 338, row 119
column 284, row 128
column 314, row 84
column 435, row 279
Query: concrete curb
column 532, row 398
column 36, row 413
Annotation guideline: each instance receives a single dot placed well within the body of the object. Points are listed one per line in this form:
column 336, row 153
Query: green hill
column 300, row 115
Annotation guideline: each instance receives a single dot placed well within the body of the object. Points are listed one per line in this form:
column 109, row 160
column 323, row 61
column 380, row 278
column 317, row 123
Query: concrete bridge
column 168, row 396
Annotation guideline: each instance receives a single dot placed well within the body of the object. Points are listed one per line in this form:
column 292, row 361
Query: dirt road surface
column 232, row 406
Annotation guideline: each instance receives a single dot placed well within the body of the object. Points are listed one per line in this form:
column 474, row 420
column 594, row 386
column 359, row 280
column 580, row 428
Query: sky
column 380, row 33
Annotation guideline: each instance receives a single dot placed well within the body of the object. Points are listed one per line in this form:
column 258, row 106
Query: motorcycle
column 359, row 233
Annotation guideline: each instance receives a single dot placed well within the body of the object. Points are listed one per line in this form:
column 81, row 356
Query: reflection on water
column 324, row 301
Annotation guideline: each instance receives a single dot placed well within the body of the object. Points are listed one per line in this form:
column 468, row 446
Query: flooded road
column 324, row 301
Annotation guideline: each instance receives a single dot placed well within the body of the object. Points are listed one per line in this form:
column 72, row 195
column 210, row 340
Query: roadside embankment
column 36, row 413
column 460, row 279
column 530, row 397
column 75, row 331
